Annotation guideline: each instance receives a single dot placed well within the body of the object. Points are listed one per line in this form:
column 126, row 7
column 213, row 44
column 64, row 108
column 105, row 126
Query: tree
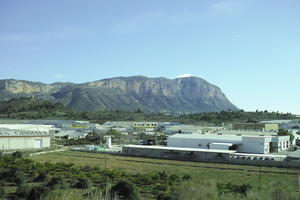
column 284, row 132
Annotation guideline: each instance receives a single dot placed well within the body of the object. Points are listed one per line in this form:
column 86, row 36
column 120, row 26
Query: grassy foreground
column 221, row 173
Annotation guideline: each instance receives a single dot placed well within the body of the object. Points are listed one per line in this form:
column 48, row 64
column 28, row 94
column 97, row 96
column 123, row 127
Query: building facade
column 23, row 139
column 240, row 143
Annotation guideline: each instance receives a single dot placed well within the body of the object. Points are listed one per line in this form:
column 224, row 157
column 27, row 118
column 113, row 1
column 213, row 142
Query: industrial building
column 255, row 126
column 191, row 154
column 188, row 129
column 23, row 139
column 241, row 143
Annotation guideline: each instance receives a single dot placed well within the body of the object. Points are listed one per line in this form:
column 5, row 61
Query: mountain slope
column 181, row 95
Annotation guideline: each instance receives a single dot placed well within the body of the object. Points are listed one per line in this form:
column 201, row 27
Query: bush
column 23, row 190
column 83, row 183
column 41, row 177
column 229, row 187
column 186, row 177
column 17, row 154
column 36, row 192
column 57, row 183
column 19, row 177
column 205, row 190
column 2, row 192
column 164, row 196
column 125, row 190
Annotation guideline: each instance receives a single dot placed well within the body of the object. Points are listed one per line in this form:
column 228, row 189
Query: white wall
column 249, row 144
column 7, row 143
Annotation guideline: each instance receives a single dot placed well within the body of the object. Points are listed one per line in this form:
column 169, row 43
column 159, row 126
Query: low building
column 191, row 154
column 255, row 126
column 70, row 134
column 50, row 129
column 285, row 124
column 149, row 126
column 241, row 143
column 188, row 129
column 23, row 139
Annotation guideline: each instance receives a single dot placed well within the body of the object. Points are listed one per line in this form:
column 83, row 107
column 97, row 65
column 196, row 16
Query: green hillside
column 34, row 108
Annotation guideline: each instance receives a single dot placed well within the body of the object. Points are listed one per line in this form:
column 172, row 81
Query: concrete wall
column 195, row 143
column 8, row 143
column 213, row 157
column 174, row 154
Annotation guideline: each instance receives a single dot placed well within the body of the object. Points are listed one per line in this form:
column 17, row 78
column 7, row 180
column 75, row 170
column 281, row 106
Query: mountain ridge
column 179, row 95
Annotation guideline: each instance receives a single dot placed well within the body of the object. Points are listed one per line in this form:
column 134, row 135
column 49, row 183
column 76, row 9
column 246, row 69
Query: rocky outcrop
column 181, row 95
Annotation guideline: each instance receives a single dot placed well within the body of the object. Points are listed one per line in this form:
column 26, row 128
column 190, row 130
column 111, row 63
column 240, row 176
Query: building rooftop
column 179, row 148
column 280, row 121
column 13, row 133
column 246, row 132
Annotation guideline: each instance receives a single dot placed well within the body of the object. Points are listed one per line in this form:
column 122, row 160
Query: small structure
column 108, row 141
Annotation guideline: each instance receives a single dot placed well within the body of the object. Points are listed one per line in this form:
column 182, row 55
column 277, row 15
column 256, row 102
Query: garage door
column 37, row 144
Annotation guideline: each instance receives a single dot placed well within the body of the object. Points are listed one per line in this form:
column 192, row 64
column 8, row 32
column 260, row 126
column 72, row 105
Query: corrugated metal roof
column 246, row 132
column 207, row 136
column 13, row 133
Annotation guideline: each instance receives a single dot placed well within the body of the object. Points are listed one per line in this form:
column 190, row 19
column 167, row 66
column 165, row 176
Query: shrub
column 57, row 183
column 125, row 190
column 83, row 183
column 205, row 190
column 17, row 154
column 23, row 190
column 36, row 192
column 2, row 192
column 41, row 177
column 229, row 187
column 164, row 196
column 186, row 177
column 19, row 177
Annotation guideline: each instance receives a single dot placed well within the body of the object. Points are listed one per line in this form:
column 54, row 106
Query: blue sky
column 249, row 48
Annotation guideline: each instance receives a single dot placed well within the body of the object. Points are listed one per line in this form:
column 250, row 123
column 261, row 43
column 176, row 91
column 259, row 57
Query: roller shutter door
column 37, row 144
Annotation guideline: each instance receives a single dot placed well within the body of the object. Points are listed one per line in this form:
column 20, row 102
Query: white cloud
column 184, row 76
column 65, row 33
column 229, row 6
column 58, row 76
column 223, row 6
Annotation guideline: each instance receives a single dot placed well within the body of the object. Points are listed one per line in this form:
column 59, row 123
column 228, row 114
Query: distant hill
column 181, row 95
column 33, row 108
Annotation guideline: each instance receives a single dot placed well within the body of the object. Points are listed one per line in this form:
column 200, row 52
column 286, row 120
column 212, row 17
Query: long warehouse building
column 240, row 143
column 23, row 139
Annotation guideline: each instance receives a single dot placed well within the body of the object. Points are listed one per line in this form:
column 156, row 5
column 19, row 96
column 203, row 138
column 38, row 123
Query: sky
column 248, row 48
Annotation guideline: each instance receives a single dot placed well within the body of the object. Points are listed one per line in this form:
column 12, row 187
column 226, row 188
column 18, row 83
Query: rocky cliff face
column 181, row 95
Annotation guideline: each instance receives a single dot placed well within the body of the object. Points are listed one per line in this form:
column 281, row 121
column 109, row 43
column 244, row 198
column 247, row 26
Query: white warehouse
column 240, row 143
column 23, row 139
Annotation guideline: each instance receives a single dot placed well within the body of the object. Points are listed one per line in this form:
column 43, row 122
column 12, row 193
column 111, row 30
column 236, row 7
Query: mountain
column 180, row 95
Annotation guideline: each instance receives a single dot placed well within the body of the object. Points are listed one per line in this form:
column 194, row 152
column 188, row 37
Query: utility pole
column 260, row 176
column 287, row 162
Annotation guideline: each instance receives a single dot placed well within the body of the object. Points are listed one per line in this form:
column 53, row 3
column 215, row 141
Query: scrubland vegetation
column 98, row 176
column 34, row 108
